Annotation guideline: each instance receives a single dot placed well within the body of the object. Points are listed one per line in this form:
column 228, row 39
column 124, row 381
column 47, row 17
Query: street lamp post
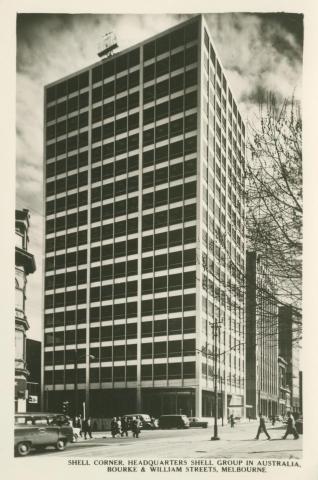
column 76, row 358
column 215, row 336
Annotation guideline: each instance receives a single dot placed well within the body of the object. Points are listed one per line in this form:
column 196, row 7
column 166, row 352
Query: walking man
column 88, row 428
column 136, row 427
column 124, row 426
column 262, row 428
column 232, row 420
column 290, row 427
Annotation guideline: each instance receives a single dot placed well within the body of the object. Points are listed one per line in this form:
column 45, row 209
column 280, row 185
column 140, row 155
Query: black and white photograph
column 159, row 257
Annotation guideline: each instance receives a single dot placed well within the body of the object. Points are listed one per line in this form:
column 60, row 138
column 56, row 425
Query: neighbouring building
column 24, row 266
column 300, row 392
column 145, row 232
column 289, row 337
column 33, row 362
column 262, row 391
column 284, row 390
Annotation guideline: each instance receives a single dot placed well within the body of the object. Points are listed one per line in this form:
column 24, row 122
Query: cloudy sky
column 260, row 52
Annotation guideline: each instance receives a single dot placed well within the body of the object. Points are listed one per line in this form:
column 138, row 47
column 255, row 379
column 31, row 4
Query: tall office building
column 262, row 385
column 145, row 240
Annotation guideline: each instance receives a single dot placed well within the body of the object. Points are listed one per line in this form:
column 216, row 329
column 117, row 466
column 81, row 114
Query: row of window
column 163, row 371
column 162, row 89
column 71, row 162
column 115, row 87
column 66, row 108
column 70, row 182
column 158, row 306
column 157, row 371
column 169, row 64
column 154, row 113
column 114, row 250
column 70, row 259
column 66, row 279
column 61, row 242
column 64, row 127
column 116, row 209
column 169, row 239
column 116, row 65
column 172, row 260
column 173, row 129
column 68, row 86
column 173, row 194
column 173, row 216
column 124, row 227
column 97, row 314
column 74, row 297
column 73, row 143
column 68, row 221
column 110, row 190
column 164, row 283
column 68, row 202
column 172, row 326
column 172, row 40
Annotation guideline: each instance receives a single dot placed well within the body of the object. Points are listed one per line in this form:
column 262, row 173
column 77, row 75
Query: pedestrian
column 232, row 420
column 273, row 420
column 262, row 428
column 80, row 425
column 114, row 427
column 153, row 422
column 124, row 426
column 136, row 427
column 290, row 427
column 88, row 428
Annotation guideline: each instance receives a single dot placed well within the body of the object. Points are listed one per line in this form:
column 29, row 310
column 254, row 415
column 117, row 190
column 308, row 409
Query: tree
column 274, row 195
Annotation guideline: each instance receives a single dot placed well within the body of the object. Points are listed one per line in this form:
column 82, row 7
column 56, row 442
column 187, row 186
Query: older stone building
column 24, row 265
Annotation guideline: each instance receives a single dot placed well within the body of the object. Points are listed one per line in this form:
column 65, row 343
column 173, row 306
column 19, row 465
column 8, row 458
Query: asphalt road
column 237, row 442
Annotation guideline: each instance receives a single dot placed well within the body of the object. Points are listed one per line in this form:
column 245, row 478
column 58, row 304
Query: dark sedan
column 196, row 422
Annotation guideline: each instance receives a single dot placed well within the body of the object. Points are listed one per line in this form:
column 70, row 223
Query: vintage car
column 40, row 430
column 173, row 421
column 197, row 422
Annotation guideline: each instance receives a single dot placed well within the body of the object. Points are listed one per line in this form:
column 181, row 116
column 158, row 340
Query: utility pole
column 215, row 328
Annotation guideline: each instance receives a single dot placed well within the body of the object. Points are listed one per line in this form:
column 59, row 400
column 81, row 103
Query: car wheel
column 23, row 449
column 60, row 445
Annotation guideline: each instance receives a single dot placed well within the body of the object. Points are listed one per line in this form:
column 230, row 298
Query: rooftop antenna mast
column 107, row 45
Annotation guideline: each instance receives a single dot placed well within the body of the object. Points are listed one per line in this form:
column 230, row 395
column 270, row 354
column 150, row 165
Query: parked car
column 40, row 430
column 145, row 419
column 174, row 421
column 197, row 422
column 299, row 425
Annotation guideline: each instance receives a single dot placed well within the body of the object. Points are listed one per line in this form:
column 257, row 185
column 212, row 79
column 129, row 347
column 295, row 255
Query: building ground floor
column 153, row 401
column 261, row 402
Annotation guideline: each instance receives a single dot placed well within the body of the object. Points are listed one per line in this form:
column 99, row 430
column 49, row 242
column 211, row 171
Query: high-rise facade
column 145, row 232
column 262, row 383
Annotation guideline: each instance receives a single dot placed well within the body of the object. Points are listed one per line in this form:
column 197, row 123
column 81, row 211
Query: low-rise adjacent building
column 284, row 389
column 33, row 361
column 24, row 265
column 261, row 339
column 289, row 337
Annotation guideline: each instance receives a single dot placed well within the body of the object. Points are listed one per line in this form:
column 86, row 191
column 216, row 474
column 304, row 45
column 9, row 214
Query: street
column 237, row 442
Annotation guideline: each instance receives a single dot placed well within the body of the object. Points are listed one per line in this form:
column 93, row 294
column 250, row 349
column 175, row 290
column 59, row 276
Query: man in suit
column 262, row 428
